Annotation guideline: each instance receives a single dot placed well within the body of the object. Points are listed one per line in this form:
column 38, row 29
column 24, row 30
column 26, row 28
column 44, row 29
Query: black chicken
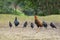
column 25, row 24
column 52, row 25
column 45, row 24
column 10, row 24
column 16, row 22
column 32, row 25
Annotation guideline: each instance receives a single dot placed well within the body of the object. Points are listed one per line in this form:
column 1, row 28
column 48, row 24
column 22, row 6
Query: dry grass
column 20, row 33
column 29, row 34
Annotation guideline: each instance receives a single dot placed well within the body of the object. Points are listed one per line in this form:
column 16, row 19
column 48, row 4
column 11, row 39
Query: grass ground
column 19, row 33
column 9, row 17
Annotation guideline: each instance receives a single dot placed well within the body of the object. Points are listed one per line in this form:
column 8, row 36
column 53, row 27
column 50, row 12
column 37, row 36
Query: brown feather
column 38, row 22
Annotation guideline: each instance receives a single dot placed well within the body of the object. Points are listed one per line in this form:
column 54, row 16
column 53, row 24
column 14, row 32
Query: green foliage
column 42, row 7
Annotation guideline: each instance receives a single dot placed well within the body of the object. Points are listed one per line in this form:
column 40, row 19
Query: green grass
column 10, row 17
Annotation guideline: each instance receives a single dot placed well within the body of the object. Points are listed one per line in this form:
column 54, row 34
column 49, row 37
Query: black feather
column 16, row 22
column 10, row 24
column 45, row 24
column 25, row 24
column 32, row 25
column 52, row 25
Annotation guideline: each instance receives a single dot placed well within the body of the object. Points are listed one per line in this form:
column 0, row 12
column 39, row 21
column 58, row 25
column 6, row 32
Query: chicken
column 45, row 24
column 37, row 22
column 10, row 24
column 25, row 24
column 52, row 25
column 16, row 22
column 32, row 25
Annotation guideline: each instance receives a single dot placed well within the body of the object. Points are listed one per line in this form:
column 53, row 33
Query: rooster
column 37, row 22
